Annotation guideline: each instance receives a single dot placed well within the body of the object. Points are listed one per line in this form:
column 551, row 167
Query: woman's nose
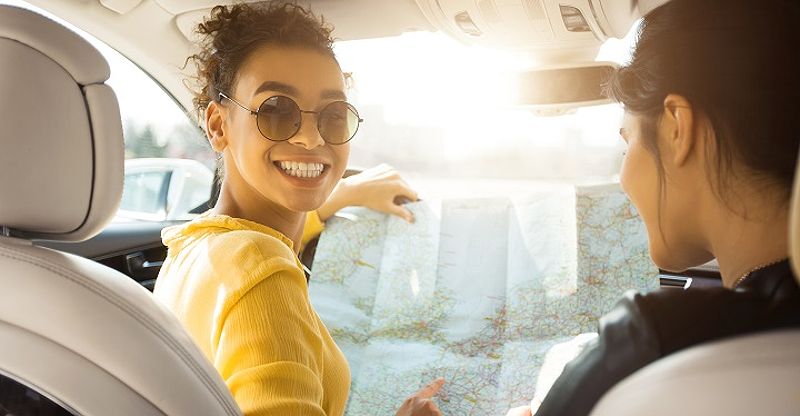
column 308, row 135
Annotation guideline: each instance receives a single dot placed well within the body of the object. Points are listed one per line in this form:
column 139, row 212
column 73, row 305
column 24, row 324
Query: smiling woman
column 256, row 187
column 275, row 109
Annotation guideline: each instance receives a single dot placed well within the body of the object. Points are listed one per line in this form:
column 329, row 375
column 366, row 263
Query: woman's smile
column 303, row 172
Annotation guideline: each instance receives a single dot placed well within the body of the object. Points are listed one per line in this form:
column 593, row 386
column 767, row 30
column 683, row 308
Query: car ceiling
column 152, row 33
column 157, row 34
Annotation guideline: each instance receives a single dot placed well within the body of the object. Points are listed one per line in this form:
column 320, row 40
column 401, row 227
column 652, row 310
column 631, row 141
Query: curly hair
column 231, row 33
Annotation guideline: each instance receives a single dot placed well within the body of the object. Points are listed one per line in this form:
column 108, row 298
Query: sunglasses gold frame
column 255, row 113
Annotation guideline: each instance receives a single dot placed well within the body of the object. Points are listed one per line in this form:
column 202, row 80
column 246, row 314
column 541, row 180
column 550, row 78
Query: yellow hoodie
column 239, row 289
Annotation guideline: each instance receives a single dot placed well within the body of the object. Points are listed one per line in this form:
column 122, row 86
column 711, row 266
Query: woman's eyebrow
column 287, row 89
column 277, row 87
column 333, row 95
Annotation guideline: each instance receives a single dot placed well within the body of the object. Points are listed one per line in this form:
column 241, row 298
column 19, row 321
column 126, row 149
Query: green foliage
column 140, row 141
column 183, row 141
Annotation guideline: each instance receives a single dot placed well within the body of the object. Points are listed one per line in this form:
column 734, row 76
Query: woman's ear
column 215, row 126
column 677, row 126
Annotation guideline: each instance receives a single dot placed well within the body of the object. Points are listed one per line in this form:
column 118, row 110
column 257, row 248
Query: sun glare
column 434, row 107
column 451, row 104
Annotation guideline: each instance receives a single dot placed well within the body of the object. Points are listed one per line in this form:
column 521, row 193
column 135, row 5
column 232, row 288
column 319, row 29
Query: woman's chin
column 677, row 262
column 662, row 258
column 304, row 204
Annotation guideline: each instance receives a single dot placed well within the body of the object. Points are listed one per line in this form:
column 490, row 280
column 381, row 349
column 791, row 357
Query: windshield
column 437, row 109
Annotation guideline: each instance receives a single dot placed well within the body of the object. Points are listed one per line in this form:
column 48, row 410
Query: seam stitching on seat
column 52, row 396
column 121, row 303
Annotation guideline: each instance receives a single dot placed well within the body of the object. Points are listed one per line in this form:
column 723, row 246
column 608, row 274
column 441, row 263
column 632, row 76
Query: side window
column 189, row 190
column 17, row 399
column 145, row 192
column 168, row 162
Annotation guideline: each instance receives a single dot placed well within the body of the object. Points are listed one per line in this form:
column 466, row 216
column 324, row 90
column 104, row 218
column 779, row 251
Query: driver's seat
column 76, row 337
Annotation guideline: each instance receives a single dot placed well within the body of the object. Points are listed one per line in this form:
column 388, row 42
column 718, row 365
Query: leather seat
column 83, row 335
column 749, row 375
column 755, row 374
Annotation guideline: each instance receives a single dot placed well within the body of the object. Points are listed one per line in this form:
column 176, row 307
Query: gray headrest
column 61, row 164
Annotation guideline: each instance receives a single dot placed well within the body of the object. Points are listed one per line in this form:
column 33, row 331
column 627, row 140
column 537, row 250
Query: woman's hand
column 379, row 188
column 420, row 403
column 520, row 411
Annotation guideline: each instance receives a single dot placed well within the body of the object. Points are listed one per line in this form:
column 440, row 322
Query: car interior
column 81, row 333
column 567, row 64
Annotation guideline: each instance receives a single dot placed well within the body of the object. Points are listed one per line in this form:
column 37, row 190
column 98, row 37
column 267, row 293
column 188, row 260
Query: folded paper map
column 493, row 294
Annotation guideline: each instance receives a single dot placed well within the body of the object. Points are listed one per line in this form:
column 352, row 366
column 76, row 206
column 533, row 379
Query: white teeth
column 301, row 169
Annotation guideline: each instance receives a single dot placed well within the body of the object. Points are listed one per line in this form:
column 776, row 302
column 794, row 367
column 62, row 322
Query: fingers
column 400, row 211
column 389, row 175
column 431, row 408
column 421, row 403
column 402, row 194
column 403, row 190
column 431, row 389
column 383, row 189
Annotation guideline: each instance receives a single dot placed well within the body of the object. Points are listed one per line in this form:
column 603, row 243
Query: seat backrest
column 85, row 336
column 751, row 375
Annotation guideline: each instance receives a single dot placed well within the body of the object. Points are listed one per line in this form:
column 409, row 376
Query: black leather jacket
column 644, row 328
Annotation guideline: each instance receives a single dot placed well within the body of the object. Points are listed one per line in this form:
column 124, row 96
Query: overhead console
column 556, row 30
column 562, row 38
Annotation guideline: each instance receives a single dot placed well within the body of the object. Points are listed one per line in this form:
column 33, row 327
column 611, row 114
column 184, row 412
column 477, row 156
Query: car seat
column 74, row 333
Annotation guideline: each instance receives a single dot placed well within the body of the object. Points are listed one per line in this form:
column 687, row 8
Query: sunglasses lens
column 338, row 122
column 278, row 118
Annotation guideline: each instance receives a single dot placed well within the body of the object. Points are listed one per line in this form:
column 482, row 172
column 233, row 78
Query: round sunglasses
column 278, row 118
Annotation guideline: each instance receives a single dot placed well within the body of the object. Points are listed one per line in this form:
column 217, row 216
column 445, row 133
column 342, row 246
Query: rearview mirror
column 553, row 91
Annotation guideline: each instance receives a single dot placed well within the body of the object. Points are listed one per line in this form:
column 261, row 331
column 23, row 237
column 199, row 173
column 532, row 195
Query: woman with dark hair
column 711, row 100
column 275, row 108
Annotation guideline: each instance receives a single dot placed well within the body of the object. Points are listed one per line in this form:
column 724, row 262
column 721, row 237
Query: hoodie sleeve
column 270, row 350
